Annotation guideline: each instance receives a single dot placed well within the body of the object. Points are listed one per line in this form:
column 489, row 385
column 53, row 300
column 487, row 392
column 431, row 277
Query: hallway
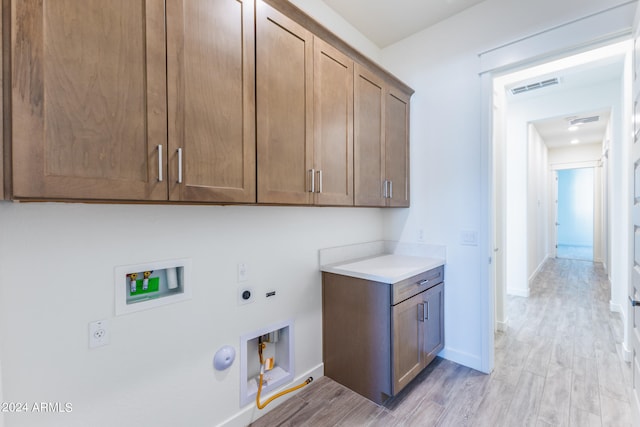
column 558, row 364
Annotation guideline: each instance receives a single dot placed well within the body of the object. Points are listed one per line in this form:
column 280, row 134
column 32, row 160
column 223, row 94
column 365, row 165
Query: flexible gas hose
column 275, row 396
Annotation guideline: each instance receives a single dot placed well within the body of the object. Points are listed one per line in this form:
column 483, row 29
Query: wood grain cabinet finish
column 304, row 115
column 333, row 125
column 381, row 142
column 88, row 95
column 211, row 92
column 433, row 303
column 377, row 337
column 397, row 148
column 369, row 148
column 4, row 193
column 284, row 94
column 221, row 101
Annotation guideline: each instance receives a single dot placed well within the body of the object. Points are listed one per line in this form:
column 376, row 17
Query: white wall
column 56, row 260
column 57, row 274
column 560, row 157
column 537, row 203
column 548, row 104
column 447, row 167
column 337, row 24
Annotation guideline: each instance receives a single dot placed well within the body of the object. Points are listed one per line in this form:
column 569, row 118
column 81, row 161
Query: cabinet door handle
column 384, row 189
column 391, row 189
column 427, row 316
column 179, row 165
column 159, row 163
column 421, row 312
column 320, row 181
column 312, row 172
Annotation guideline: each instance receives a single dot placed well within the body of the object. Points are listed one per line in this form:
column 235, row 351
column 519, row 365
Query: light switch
column 469, row 238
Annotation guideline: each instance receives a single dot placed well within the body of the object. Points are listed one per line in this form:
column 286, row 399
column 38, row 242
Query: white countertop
column 385, row 268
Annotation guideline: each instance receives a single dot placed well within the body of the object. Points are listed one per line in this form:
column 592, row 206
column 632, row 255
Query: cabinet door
column 433, row 300
column 397, row 148
column 284, row 92
column 3, row 193
column 408, row 341
column 88, row 99
column 333, row 122
column 211, row 98
column 369, row 144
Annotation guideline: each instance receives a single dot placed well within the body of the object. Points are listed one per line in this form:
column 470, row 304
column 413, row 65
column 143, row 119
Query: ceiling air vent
column 584, row 120
column 536, row 85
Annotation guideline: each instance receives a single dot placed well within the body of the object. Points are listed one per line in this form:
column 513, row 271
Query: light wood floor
column 558, row 364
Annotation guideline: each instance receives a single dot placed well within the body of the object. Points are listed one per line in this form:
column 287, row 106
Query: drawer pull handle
column 423, row 282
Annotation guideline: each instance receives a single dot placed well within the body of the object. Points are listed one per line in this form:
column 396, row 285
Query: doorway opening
column 575, row 206
column 524, row 163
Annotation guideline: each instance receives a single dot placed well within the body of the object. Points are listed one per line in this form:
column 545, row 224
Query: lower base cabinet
column 377, row 337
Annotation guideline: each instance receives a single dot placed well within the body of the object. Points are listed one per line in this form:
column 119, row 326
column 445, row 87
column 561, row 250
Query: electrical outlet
column 98, row 333
column 245, row 295
column 421, row 235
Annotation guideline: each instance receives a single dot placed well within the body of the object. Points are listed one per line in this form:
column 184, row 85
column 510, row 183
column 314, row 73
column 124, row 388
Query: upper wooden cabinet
column 381, row 142
column 284, row 88
column 304, row 115
column 205, row 101
column 90, row 88
column 333, row 124
column 369, row 138
column 3, row 193
column 88, row 94
column 211, row 93
column 397, row 148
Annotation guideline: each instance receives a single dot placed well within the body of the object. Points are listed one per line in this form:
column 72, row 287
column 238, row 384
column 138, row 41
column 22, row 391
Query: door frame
column 581, row 35
column 597, row 201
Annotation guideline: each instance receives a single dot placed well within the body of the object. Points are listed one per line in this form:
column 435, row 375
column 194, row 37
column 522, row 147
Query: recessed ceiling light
column 573, row 128
column 575, row 141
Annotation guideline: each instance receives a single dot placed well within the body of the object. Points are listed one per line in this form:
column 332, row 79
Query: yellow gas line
column 261, row 346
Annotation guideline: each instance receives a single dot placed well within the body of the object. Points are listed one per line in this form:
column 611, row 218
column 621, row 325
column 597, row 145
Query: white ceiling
column 554, row 131
column 385, row 22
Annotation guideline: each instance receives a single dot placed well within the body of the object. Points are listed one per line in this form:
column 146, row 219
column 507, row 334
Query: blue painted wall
column 575, row 207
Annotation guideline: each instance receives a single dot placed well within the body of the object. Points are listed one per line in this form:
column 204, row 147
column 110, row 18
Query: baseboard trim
column 626, row 353
column 250, row 413
column 502, row 326
column 460, row 357
column 615, row 308
column 537, row 270
column 518, row 292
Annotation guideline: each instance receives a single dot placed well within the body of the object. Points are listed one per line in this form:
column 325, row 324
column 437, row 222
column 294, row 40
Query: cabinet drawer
column 416, row 284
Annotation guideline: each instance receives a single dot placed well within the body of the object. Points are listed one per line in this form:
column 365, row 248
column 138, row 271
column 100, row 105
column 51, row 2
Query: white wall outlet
column 243, row 272
column 98, row 333
column 421, row 235
column 245, row 295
